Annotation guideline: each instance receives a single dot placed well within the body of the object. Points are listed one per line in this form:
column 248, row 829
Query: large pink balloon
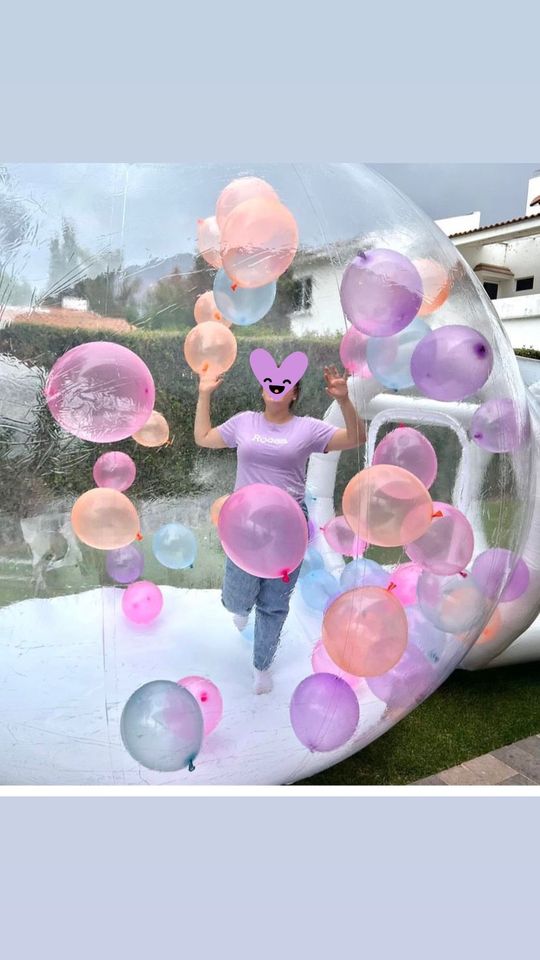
column 387, row 506
column 114, row 469
column 209, row 699
column 321, row 663
column 100, row 391
column 447, row 546
column 409, row 449
column 259, row 240
column 365, row 631
column 240, row 190
column 339, row 535
column 142, row 601
column 263, row 530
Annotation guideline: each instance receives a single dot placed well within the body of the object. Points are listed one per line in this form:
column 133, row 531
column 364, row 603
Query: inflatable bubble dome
column 124, row 289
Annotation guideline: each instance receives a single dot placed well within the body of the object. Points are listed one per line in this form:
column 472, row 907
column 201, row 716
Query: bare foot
column 262, row 681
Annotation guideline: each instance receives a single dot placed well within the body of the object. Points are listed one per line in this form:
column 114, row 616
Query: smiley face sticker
column 278, row 381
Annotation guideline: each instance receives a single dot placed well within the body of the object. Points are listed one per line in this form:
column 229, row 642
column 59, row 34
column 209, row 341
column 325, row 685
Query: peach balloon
column 208, row 241
column 215, row 509
column 258, row 242
column 365, row 631
column 436, row 285
column 206, row 309
column 321, row 663
column 105, row 519
column 491, row 629
column 210, row 349
column 387, row 506
column 237, row 192
column 155, row 431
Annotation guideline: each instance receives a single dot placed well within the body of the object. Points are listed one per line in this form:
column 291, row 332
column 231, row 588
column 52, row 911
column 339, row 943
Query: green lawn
column 471, row 714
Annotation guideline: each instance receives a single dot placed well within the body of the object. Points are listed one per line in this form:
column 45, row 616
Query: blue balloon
column 174, row 546
column 242, row 306
column 318, row 589
column 363, row 573
column 162, row 726
column 389, row 358
column 312, row 561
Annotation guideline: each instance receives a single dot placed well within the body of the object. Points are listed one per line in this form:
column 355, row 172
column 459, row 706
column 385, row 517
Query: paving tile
column 521, row 759
column 434, row 781
column 459, row 777
column 518, row 781
column 530, row 744
column 486, row 770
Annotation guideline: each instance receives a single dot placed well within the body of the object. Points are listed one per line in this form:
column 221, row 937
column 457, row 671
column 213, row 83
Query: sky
column 150, row 210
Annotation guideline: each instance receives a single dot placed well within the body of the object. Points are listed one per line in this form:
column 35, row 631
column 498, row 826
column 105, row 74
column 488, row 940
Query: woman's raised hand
column 336, row 383
column 207, row 385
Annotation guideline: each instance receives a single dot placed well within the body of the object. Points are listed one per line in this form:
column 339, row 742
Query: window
column 524, row 283
column 302, row 291
column 491, row 289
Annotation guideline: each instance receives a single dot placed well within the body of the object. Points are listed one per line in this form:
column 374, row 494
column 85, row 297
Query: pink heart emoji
column 277, row 381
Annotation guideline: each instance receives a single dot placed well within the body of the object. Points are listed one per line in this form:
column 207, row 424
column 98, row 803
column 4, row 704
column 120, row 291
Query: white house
column 505, row 256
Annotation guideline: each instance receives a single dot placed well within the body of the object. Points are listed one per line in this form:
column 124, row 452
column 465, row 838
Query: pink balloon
column 405, row 578
column 208, row 240
column 240, row 190
column 114, row 469
column 209, row 699
column 142, row 601
column 409, row 449
column 263, row 530
column 365, row 631
column 352, row 352
column 448, row 544
column 339, row 535
column 322, row 663
column 387, row 506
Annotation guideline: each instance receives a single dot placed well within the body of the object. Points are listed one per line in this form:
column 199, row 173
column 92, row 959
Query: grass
column 471, row 714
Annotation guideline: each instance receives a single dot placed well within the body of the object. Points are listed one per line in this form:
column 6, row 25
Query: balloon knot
column 204, row 368
column 391, row 586
column 464, row 575
column 401, row 426
column 191, row 766
column 217, row 316
column 285, row 576
column 438, row 514
column 234, row 287
column 139, row 536
column 200, row 220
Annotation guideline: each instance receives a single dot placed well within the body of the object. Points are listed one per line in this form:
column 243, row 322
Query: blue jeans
column 242, row 591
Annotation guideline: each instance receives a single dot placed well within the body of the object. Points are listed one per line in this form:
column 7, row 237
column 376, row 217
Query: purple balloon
column 125, row 564
column 497, row 426
column 381, row 292
column 406, row 683
column 491, row 570
column 324, row 712
column 408, row 448
column 451, row 363
column 448, row 544
column 312, row 531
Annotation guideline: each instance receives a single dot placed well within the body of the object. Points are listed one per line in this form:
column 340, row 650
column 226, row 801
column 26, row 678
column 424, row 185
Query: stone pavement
column 516, row 765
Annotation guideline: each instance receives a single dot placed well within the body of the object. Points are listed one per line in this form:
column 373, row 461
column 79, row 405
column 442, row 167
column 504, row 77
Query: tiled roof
column 60, row 317
column 491, row 226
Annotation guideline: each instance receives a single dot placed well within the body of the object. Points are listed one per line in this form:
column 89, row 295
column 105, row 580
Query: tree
column 18, row 229
column 169, row 302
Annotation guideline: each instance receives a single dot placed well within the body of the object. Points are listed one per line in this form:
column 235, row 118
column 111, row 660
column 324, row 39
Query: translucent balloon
column 215, row 509
column 105, row 519
column 263, row 530
column 381, row 292
column 318, row 589
column 174, row 546
column 352, row 353
column 125, row 564
column 321, row 663
column 210, row 349
column 447, row 546
column 341, row 538
column 454, row 604
column 206, row 309
column 155, row 431
column 364, row 573
column 311, row 531
column 324, row 712
column 436, row 285
column 389, row 358
column 209, row 699
column 241, row 305
column 408, row 448
column 405, row 580
column 410, row 679
column 208, row 241
column 365, row 631
column 451, row 363
column 492, row 570
column 114, row 469
column 432, row 642
column 387, row 506
column 142, row 602
column 240, row 190
column 100, row 391
column 498, row 426
column 162, row 726
column 312, row 561
column 259, row 240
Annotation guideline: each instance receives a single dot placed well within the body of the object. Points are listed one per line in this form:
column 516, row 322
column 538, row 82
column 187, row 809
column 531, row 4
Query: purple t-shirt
column 275, row 453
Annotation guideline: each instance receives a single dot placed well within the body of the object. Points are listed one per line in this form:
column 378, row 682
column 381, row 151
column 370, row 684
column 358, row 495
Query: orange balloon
column 208, row 241
column 387, row 506
column 258, row 242
column 155, row 431
column 210, row 349
column 105, row 519
column 215, row 509
column 365, row 631
column 236, row 192
column 436, row 284
column 491, row 629
column 206, row 309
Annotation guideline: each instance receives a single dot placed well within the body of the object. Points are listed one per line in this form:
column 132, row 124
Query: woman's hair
column 295, row 399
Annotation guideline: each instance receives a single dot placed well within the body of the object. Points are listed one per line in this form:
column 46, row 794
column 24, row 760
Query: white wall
column 521, row 256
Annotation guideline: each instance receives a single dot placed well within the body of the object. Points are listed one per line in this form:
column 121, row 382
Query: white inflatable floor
column 68, row 665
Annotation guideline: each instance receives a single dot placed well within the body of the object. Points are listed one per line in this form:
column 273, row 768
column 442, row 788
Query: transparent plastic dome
column 111, row 253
